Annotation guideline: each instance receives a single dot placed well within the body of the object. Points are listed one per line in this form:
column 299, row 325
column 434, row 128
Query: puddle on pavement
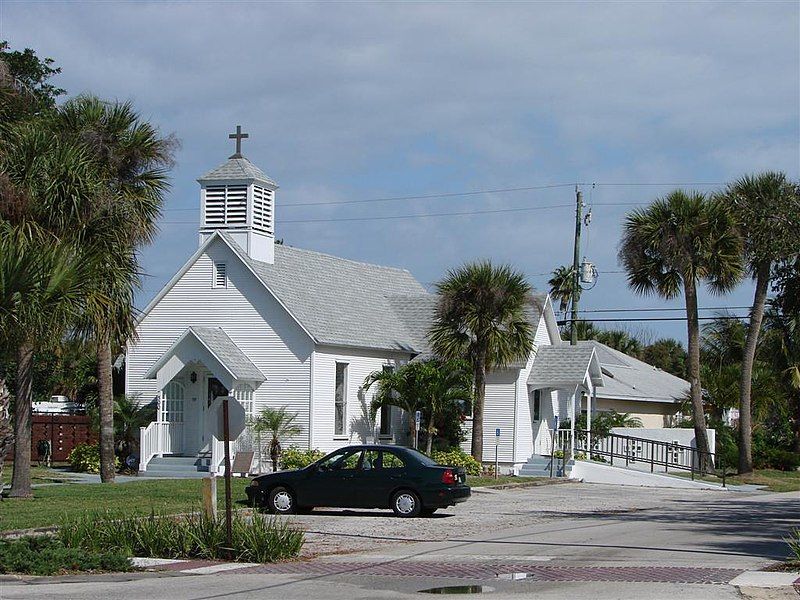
column 459, row 589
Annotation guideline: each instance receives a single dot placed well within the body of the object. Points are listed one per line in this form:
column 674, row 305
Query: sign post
column 418, row 421
column 226, row 438
column 496, row 446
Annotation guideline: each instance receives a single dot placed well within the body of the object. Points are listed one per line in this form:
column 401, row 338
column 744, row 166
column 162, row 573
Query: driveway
column 565, row 541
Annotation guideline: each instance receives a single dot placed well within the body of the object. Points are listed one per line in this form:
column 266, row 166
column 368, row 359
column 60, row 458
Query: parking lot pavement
column 335, row 531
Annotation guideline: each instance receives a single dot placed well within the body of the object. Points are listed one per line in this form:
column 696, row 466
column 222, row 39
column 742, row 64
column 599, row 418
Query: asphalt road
column 709, row 537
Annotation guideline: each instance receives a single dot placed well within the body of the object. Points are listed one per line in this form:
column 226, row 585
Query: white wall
column 524, row 434
column 252, row 318
column 683, row 435
column 360, row 364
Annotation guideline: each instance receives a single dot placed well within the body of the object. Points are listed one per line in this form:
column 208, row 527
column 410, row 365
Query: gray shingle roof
column 338, row 301
column 221, row 346
column 561, row 365
column 628, row 378
column 228, row 353
column 236, row 169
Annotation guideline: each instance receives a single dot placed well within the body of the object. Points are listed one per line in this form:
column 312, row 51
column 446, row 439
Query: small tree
column 279, row 423
column 129, row 416
column 482, row 316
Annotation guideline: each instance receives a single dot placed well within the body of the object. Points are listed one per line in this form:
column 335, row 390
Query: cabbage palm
column 482, row 317
column 561, row 285
column 279, row 423
column 132, row 158
column 45, row 183
column 671, row 245
column 767, row 210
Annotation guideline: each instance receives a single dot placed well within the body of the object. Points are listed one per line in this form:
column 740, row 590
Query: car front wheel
column 281, row 501
column 405, row 503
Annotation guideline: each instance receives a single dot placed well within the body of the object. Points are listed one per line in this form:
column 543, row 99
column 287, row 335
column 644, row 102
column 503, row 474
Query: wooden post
column 210, row 496
column 226, row 440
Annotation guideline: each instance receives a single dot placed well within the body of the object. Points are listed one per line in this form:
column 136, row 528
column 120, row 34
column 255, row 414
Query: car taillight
column 448, row 477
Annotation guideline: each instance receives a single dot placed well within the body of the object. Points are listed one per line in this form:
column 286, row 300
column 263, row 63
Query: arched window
column 172, row 402
column 244, row 395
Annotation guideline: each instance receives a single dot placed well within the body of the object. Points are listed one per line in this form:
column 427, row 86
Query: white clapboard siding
column 498, row 411
column 360, row 364
column 250, row 316
column 525, row 435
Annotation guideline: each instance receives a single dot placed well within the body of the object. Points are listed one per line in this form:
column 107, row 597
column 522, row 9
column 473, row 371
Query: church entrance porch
column 202, row 365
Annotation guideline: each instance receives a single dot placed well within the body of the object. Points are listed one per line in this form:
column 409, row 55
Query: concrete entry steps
column 539, row 466
column 176, row 466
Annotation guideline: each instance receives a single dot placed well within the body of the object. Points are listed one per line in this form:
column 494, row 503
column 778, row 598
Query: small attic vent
column 262, row 210
column 220, row 275
column 225, row 205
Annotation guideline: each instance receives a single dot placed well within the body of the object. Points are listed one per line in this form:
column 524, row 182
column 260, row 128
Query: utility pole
column 576, row 267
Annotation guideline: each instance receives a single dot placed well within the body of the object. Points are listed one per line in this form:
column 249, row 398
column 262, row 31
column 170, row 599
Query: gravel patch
column 336, row 531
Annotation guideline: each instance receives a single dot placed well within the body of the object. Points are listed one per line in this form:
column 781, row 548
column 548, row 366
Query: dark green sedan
column 407, row 481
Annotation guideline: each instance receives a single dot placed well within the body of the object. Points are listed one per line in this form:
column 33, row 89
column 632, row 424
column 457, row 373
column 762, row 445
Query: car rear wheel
column 405, row 503
column 281, row 501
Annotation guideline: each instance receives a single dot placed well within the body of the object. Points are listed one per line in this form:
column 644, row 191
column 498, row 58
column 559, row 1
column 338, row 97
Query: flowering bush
column 296, row 458
column 456, row 457
column 86, row 458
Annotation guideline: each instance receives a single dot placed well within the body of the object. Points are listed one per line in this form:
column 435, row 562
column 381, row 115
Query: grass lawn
column 474, row 481
column 52, row 504
column 38, row 475
column 772, row 479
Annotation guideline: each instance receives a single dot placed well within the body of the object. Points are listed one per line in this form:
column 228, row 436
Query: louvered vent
column 226, row 205
column 262, row 210
column 220, row 275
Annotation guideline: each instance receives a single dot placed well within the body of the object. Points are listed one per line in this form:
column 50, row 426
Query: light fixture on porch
column 193, row 377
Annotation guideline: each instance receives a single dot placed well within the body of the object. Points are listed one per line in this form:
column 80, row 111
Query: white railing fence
column 158, row 439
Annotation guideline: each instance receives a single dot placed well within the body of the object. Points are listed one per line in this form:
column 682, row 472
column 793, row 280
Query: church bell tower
column 239, row 199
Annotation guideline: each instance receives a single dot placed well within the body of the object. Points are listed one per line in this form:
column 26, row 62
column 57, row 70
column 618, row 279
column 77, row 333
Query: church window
column 172, row 403
column 244, row 394
column 340, row 399
column 220, row 275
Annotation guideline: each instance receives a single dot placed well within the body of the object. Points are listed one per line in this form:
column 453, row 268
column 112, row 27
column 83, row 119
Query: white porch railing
column 218, row 455
column 560, row 440
column 157, row 439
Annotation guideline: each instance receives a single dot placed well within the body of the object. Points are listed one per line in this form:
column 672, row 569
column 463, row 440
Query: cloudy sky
column 361, row 101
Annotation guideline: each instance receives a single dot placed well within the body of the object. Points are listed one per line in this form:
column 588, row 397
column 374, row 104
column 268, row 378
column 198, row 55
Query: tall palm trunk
column 23, row 424
column 429, row 442
column 746, row 383
column 696, row 390
column 105, row 385
column 6, row 429
column 477, row 407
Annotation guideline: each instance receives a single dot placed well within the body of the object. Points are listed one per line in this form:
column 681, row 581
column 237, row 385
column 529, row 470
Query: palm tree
column 6, row 428
column 400, row 388
column 129, row 416
column 767, row 210
column 675, row 242
column 44, row 182
column 561, row 285
column 482, row 317
column 132, row 158
column 431, row 386
column 279, row 423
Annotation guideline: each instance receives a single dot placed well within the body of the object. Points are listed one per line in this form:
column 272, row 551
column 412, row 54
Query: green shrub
column 297, row 458
column 456, row 457
column 44, row 555
column 85, row 458
column 776, row 458
column 794, row 544
column 260, row 539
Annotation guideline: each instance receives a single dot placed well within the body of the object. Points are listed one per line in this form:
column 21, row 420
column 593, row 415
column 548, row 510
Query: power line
column 617, row 310
column 487, row 191
column 640, row 319
column 393, row 217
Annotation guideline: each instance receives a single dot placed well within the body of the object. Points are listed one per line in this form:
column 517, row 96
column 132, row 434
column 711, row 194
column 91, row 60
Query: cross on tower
column 238, row 136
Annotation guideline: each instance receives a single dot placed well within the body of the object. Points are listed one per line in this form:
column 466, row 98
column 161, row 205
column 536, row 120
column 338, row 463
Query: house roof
column 339, row 302
column 217, row 342
column 237, row 168
column 564, row 365
column 628, row 378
